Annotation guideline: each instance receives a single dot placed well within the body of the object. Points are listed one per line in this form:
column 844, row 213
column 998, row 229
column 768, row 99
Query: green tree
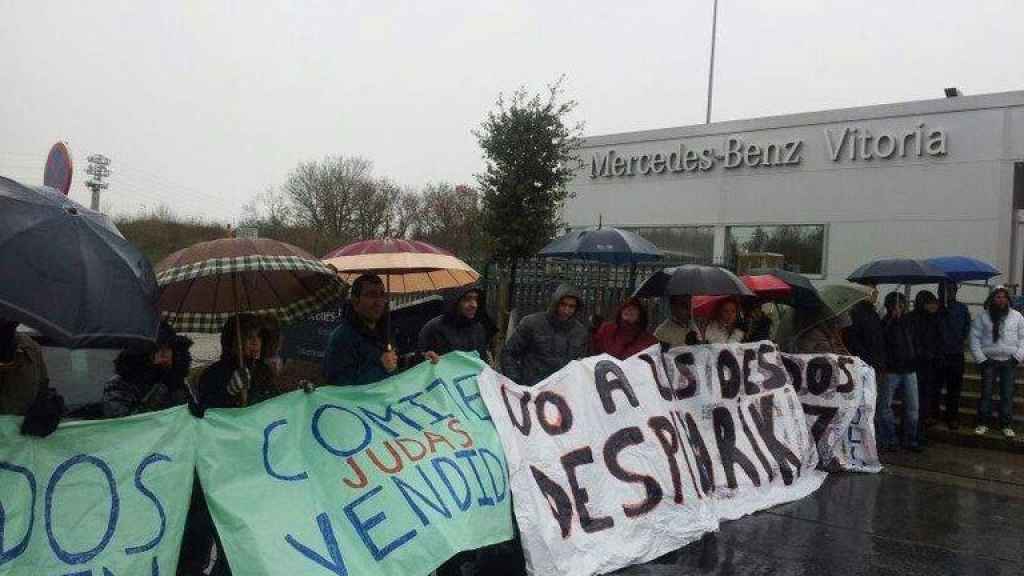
column 530, row 148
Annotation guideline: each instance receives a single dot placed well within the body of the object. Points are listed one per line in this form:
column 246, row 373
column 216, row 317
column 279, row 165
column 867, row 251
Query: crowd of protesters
column 916, row 353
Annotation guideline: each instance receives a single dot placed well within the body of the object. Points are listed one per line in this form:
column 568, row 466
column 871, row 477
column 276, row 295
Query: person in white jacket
column 997, row 344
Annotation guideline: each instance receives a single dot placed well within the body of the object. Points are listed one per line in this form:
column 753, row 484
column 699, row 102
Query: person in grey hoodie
column 544, row 342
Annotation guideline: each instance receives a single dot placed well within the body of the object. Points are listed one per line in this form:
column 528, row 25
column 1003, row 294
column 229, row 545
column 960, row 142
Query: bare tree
column 451, row 217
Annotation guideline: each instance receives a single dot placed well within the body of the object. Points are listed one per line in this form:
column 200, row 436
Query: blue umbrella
column 963, row 268
column 610, row 245
column 897, row 271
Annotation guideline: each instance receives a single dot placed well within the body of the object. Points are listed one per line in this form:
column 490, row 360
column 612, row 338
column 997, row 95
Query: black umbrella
column 610, row 245
column 897, row 271
column 803, row 295
column 694, row 280
column 69, row 273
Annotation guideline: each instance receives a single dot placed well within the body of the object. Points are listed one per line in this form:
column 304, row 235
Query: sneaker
column 1008, row 432
column 981, row 430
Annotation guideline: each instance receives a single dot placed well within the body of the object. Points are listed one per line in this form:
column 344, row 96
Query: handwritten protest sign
column 390, row 478
column 838, row 396
column 96, row 498
column 618, row 462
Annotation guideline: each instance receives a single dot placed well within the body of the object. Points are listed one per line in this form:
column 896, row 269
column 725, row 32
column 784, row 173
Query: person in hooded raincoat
column 459, row 328
column 546, row 341
column 627, row 334
column 150, row 376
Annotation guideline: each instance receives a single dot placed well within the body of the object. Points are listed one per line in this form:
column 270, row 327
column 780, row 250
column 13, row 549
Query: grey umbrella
column 694, row 280
column 70, row 274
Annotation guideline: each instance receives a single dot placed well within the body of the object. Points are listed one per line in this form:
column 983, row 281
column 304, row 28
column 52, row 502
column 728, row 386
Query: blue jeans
column 886, row 392
column 1006, row 372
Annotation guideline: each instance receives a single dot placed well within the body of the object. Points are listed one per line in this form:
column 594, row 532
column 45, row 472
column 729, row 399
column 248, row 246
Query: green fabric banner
column 105, row 498
column 390, row 478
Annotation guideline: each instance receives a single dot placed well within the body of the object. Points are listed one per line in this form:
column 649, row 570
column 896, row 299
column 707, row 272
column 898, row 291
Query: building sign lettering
column 846, row 144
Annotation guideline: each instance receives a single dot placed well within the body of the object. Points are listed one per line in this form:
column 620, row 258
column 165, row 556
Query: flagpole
column 711, row 68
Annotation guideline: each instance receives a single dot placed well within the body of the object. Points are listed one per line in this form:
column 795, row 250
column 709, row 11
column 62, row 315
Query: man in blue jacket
column 955, row 328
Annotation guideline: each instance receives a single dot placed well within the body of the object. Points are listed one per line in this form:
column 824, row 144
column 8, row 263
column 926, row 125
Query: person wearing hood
column 230, row 382
column 627, row 335
column 955, row 322
column 865, row 338
column 997, row 344
column 459, row 328
column 359, row 350
column 679, row 329
column 824, row 337
column 924, row 321
column 149, row 376
column 724, row 328
column 25, row 383
column 900, row 365
column 544, row 342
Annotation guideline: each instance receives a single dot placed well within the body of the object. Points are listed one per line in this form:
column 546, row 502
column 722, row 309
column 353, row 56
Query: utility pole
column 711, row 68
column 99, row 168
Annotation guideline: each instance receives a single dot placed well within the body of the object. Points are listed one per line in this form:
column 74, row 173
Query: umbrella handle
column 244, row 395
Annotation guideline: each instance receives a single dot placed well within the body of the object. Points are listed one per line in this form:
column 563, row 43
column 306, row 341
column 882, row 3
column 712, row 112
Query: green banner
column 390, row 478
column 102, row 498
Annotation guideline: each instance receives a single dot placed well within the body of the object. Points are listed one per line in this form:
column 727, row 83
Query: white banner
column 618, row 462
column 838, row 396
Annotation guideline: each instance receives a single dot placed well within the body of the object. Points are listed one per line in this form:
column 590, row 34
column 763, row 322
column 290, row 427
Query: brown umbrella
column 405, row 266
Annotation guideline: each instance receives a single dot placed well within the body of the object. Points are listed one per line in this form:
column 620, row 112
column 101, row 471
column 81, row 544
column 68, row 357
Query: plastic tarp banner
column 390, row 478
column 102, row 498
column 838, row 394
column 618, row 462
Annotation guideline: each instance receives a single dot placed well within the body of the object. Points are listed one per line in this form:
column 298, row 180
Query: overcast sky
column 201, row 105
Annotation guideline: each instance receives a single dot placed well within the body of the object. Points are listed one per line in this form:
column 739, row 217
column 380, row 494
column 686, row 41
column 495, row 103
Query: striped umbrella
column 205, row 284
column 405, row 266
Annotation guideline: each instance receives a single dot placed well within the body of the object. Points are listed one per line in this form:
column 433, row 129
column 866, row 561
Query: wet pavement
column 949, row 511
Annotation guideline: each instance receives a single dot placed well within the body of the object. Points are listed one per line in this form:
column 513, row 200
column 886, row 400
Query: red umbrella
column 765, row 287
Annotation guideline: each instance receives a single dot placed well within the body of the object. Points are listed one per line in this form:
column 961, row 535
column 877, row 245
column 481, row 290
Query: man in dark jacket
column 358, row 351
column 955, row 322
column 864, row 337
column 927, row 330
column 546, row 341
column 901, row 363
column 459, row 327
column 233, row 383
column 149, row 376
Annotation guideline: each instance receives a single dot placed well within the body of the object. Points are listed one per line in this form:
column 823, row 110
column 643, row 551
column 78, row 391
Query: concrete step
column 965, row 436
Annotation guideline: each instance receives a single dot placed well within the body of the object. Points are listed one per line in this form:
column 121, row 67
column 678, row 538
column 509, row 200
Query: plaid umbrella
column 207, row 283
column 405, row 266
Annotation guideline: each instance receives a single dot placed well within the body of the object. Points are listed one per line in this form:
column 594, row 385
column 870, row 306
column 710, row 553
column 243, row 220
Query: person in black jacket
column 459, row 328
column 864, row 337
column 955, row 320
column 927, row 328
column 901, row 363
column 228, row 383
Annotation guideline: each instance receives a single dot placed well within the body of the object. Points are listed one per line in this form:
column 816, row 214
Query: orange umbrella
column 405, row 266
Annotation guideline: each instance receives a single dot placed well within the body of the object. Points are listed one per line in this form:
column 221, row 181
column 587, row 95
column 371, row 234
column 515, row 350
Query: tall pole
column 99, row 168
column 711, row 68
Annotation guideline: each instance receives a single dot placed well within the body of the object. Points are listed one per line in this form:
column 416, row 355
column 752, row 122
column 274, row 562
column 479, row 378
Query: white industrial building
column 826, row 190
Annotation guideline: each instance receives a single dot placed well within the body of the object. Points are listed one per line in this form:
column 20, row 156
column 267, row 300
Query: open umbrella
column 405, row 266
column 694, row 280
column 764, row 287
column 963, row 268
column 610, row 245
column 897, row 271
column 69, row 274
column 205, row 284
column 837, row 299
column 802, row 294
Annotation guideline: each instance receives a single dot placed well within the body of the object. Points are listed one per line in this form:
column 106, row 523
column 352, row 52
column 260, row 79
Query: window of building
column 695, row 244
column 796, row 247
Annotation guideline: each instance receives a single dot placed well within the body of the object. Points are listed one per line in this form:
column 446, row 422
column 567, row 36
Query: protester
column 955, row 321
column 925, row 323
column 544, row 342
column 724, row 327
column 230, row 383
column 459, row 328
column 997, row 344
column 149, row 376
column 359, row 351
column 824, row 336
column 865, row 338
column 627, row 334
column 679, row 329
column 901, row 362
column 758, row 326
column 270, row 349
column 25, row 384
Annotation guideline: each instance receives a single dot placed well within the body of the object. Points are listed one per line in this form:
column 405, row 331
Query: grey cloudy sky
column 203, row 104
